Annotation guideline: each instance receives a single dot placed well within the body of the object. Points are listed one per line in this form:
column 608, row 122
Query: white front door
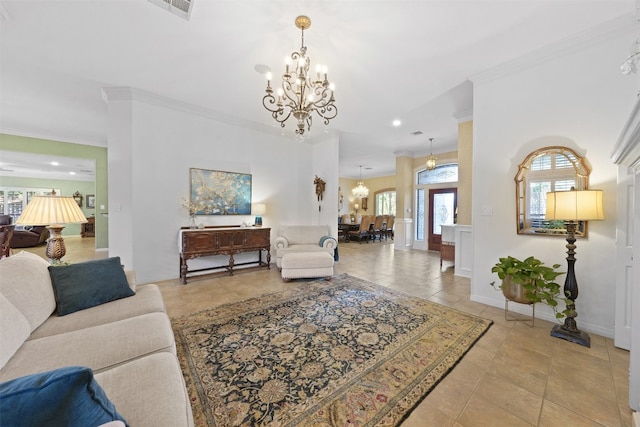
column 624, row 257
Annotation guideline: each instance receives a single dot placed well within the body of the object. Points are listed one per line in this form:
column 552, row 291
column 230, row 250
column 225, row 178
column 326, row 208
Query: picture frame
column 214, row 192
column 91, row 201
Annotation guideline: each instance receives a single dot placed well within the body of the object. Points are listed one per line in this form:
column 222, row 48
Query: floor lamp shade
column 575, row 205
column 54, row 212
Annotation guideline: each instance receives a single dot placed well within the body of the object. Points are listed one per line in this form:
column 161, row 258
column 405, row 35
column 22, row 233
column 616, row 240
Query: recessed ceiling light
column 396, row 123
column 55, row 164
column 72, row 173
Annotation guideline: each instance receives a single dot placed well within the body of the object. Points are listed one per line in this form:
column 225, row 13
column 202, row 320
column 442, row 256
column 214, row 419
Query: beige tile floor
column 514, row 376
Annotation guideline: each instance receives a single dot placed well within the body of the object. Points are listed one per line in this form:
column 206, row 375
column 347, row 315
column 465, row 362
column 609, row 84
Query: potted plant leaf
column 529, row 282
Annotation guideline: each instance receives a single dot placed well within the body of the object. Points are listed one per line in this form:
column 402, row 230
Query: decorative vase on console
column 192, row 222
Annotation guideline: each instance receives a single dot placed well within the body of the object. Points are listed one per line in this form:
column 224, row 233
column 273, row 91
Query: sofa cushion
column 149, row 392
column 88, row 284
column 147, row 299
column 66, row 397
column 25, row 281
column 99, row 348
column 14, row 330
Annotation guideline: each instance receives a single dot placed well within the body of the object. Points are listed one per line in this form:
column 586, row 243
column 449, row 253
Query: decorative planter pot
column 514, row 291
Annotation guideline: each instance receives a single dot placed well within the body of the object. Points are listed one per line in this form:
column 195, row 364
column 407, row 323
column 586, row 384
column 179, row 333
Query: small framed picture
column 91, row 201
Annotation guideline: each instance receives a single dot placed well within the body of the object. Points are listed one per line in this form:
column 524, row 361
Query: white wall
column 581, row 101
column 325, row 164
column 149, row 176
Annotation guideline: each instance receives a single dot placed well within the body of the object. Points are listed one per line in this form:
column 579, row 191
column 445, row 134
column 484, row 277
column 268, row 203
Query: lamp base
column 55, row 244
column 576, row 336
column 258, row 222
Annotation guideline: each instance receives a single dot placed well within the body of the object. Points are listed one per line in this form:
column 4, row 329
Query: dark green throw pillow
column 87, row 284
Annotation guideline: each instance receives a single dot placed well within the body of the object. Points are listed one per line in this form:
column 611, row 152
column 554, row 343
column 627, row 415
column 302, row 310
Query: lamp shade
column 575, row 205
column 51, row 210
column 258, row 208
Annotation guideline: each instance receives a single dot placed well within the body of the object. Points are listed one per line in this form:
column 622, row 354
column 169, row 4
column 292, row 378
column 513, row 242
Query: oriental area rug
column 334, row 352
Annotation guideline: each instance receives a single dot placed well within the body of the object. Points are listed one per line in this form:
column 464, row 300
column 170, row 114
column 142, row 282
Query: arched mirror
column 547, row 169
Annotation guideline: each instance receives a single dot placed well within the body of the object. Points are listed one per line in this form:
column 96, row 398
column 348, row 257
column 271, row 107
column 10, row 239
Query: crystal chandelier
column 301, row 94
column 431, row 159
column 360, row 190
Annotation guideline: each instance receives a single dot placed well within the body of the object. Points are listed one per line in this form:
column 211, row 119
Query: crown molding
column 403, row 153
column 93, row 140
column 627, row 149
column 4, row 12
column 616, row 27
column 463, row 116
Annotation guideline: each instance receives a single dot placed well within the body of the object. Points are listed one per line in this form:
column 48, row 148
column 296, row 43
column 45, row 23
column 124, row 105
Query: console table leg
column 268, row 259
column 183, row 271
column 231, row 263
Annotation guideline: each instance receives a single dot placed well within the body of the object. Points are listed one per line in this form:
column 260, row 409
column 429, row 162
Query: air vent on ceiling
column 181, row 8
column 416, row 133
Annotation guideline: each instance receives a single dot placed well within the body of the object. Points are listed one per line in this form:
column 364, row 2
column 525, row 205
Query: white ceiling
column 389, row 59
column 30, row 165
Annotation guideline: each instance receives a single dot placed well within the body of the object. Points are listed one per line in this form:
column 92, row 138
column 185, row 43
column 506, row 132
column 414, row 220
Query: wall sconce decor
column 364, row 201
column 320, row 187
column 78, row 198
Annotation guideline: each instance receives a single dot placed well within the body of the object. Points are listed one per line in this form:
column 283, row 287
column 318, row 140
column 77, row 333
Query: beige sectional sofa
column 128, row 343
column 303, row 238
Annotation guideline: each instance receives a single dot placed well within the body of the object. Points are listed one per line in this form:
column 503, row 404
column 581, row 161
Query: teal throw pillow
column 65, row 397
column 88, row 284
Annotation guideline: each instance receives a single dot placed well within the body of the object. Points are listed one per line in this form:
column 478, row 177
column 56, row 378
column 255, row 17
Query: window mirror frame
column 524, row 223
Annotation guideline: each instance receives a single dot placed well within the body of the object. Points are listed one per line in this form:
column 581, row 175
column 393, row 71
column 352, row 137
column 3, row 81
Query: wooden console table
column 195, row 243
column 89, row 228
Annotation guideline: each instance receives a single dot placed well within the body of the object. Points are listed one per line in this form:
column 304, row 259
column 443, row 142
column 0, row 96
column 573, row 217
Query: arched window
column 441, row 174
column 547, row 169
column 386, row 202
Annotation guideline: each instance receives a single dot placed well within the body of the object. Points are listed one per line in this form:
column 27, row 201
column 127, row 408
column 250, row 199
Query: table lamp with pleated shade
column 54, row 212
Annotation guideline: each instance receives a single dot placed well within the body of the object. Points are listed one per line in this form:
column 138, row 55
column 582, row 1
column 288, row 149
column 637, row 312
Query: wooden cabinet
column 229, row 241
column 89, row 228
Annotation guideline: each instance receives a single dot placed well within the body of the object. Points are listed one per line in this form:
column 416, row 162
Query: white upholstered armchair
column 303, row 238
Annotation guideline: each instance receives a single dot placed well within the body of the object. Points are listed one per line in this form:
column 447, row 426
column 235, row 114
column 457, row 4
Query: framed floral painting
column 220, row 193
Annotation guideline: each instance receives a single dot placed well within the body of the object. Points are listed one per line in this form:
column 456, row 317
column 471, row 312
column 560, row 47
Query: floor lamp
column 571, row 207
column 54, row 212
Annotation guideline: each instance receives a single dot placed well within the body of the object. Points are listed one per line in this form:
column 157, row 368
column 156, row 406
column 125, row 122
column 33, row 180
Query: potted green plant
column 530, row 282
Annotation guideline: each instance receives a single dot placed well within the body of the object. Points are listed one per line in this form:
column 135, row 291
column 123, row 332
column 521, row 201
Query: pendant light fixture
column 301, row 93
column 431, row 159
column 360, row 190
